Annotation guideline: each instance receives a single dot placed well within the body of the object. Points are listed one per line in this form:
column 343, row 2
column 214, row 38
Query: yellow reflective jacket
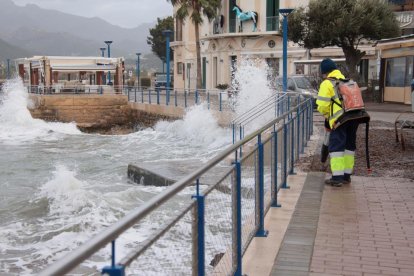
column 324, row 101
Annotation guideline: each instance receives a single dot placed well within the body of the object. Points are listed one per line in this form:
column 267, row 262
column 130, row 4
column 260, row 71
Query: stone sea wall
column 110, row 114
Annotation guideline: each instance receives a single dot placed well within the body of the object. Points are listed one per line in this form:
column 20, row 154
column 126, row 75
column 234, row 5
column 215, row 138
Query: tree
column 157, row 40
column 342, row 23
column 195, row 9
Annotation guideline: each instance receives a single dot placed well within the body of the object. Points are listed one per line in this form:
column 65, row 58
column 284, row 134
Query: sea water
column 59, row 187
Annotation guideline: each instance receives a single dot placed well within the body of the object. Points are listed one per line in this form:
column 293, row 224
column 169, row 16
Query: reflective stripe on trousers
column 337, row 163
column 349, row 161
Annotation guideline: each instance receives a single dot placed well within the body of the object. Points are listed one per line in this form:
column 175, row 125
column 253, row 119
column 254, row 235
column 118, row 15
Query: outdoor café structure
column 58, row 74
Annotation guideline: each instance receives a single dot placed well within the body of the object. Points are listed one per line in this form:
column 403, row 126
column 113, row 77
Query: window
column 395, row 75
column 272, row 15
column 178, row 29
column 232, row 17
column 180, row 66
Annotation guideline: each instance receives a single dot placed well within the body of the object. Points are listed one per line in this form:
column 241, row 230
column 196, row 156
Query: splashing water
column 251, row 78
column 60, row 187
column 18, row 124
column 198, row 127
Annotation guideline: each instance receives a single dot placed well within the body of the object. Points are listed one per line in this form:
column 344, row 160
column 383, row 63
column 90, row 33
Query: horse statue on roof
column 245, row 16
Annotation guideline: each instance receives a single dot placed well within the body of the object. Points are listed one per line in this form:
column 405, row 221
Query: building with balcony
column 226, row 40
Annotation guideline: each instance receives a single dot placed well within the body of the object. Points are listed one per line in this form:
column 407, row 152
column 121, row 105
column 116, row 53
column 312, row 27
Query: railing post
column 298, row 113
column 220, row 99
column 260, row 189
column 114, row 270
column 236, row 220
column 241, row 138
column 307, row 126
column 275, row 170
column 135, row 89
column 285, row 140
column 185, row 99
column 311, row 117
column 158, row 96
column 292, row 146
column 208, row 100
column 149, row 96
column 196, row 96
column 200, row 233
column 175, row 97
column 304, row 128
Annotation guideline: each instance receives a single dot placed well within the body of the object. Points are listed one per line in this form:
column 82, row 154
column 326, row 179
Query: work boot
column 334, row 182
column 347, row 179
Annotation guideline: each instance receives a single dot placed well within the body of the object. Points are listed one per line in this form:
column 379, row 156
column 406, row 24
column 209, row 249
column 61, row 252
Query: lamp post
column 103, row 55
column 138, row 69
column 108, row 42
column 102, row 51
column 285, row 13
column 167, row 34
column 8, row 68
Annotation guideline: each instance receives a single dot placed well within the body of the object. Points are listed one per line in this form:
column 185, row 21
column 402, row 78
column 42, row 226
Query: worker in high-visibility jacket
column 342, row 141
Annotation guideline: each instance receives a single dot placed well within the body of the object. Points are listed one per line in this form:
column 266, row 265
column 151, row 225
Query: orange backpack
column 349, row 94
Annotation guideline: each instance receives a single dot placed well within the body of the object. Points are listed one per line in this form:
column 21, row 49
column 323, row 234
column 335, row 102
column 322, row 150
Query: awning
column 84, row 67
column 317, row 61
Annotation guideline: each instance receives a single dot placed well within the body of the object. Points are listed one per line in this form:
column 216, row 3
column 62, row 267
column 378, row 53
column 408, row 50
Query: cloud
column 124, row 13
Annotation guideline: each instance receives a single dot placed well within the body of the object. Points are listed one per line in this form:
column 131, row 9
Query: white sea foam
column 198, row 128
column 17, row 123
column 251, row 79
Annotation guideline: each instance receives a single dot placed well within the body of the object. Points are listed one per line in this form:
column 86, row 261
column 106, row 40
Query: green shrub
column 222, row 86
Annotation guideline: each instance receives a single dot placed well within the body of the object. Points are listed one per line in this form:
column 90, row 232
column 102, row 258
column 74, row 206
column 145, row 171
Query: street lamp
column 138, row 69
column 108, row 42
column 167, row 34
column 8, row 68
column 285, row 13
column 102, row 51
column 103, row 55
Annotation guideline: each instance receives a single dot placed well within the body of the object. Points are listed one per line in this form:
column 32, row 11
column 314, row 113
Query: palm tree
column 195, row 9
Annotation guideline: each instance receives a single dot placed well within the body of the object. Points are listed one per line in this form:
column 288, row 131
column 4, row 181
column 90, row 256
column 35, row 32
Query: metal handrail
column 71, row 260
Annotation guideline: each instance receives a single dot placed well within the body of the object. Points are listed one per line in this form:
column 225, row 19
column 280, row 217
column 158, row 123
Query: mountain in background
column 40, row 31
column 11, row 51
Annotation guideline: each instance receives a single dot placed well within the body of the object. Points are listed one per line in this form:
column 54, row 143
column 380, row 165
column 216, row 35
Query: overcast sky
column 124, row 13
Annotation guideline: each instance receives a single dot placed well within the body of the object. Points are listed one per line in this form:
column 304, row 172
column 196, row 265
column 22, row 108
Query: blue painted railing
column 211, row 230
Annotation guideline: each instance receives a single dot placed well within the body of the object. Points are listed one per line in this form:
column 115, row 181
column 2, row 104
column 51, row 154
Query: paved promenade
column 364, row 228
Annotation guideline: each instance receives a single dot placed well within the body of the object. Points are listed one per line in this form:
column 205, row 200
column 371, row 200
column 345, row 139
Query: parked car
column 300, row 84
column 161, row 80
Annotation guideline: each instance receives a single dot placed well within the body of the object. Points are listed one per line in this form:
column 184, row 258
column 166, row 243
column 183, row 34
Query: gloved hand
column 327, row 126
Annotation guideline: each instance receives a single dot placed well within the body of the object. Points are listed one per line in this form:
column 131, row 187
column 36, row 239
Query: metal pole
column 275, row 170
column 200, row 231
column 167, row 34
column 109, row 55
column 236, row 220
column 103, row 55
column 138, row 69
column 261, row 232
column 8, row 68
column 285, row 13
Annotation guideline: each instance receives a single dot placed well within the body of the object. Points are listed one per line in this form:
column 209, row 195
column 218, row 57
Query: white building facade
column 226, row 40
